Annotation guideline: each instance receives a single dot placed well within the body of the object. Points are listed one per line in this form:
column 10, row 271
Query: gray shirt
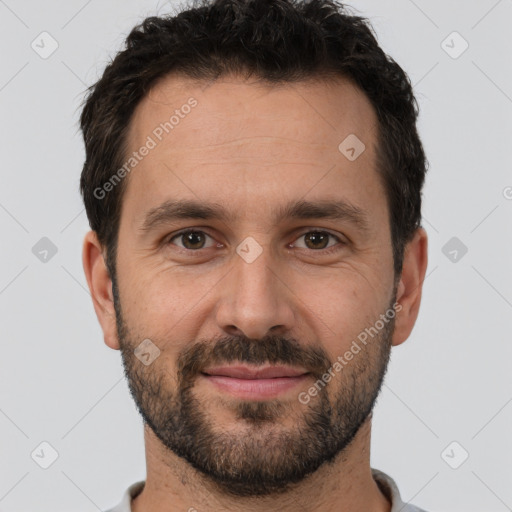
column 386, row 484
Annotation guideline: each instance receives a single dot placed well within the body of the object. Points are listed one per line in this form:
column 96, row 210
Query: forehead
column 313, row 112
column 246, row 137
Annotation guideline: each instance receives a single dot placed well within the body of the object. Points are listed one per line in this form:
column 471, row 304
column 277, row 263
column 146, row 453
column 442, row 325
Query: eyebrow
column 172, row 210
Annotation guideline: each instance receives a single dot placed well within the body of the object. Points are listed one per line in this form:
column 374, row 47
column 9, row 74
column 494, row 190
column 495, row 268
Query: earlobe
column 410, row 286
column 100, row 286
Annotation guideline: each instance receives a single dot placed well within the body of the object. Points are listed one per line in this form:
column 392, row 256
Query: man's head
column 269, row 216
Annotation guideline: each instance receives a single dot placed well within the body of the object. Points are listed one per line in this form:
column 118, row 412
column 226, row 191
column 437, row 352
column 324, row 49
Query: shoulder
column 389, row 488
column 125, row 505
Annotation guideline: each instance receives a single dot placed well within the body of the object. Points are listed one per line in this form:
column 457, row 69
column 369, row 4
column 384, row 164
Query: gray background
column 449, row 382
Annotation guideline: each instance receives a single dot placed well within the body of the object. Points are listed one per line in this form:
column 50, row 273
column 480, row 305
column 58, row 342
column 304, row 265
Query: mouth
column 255, row 383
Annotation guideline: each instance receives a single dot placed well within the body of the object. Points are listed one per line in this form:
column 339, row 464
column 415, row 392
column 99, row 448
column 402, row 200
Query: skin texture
column 253, row 148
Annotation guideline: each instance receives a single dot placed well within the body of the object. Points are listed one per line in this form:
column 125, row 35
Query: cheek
column 341, row 308
column 163, row 307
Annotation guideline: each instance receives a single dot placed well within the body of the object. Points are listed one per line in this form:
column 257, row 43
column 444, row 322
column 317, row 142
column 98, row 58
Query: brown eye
column 318, row 240
column 191, row 240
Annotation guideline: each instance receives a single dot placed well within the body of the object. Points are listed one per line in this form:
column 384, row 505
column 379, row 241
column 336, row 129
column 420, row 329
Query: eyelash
column 330, row 250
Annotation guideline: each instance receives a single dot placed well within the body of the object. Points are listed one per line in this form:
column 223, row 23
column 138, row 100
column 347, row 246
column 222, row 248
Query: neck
column 342, row 486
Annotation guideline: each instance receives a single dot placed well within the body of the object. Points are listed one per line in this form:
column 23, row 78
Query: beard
column 258, row 455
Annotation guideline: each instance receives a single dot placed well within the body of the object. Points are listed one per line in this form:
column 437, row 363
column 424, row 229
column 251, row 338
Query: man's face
column 266, row 286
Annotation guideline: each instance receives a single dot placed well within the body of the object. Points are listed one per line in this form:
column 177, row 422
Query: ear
column 410, row 286
column 100, row 286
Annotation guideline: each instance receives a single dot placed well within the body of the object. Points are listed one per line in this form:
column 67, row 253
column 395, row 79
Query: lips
column 246, row 372
column 253, row 383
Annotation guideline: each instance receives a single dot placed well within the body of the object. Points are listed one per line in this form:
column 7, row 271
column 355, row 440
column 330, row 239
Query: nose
column 255, row 301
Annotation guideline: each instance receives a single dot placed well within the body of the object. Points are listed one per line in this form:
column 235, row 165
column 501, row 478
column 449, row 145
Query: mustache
column 239, row 349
